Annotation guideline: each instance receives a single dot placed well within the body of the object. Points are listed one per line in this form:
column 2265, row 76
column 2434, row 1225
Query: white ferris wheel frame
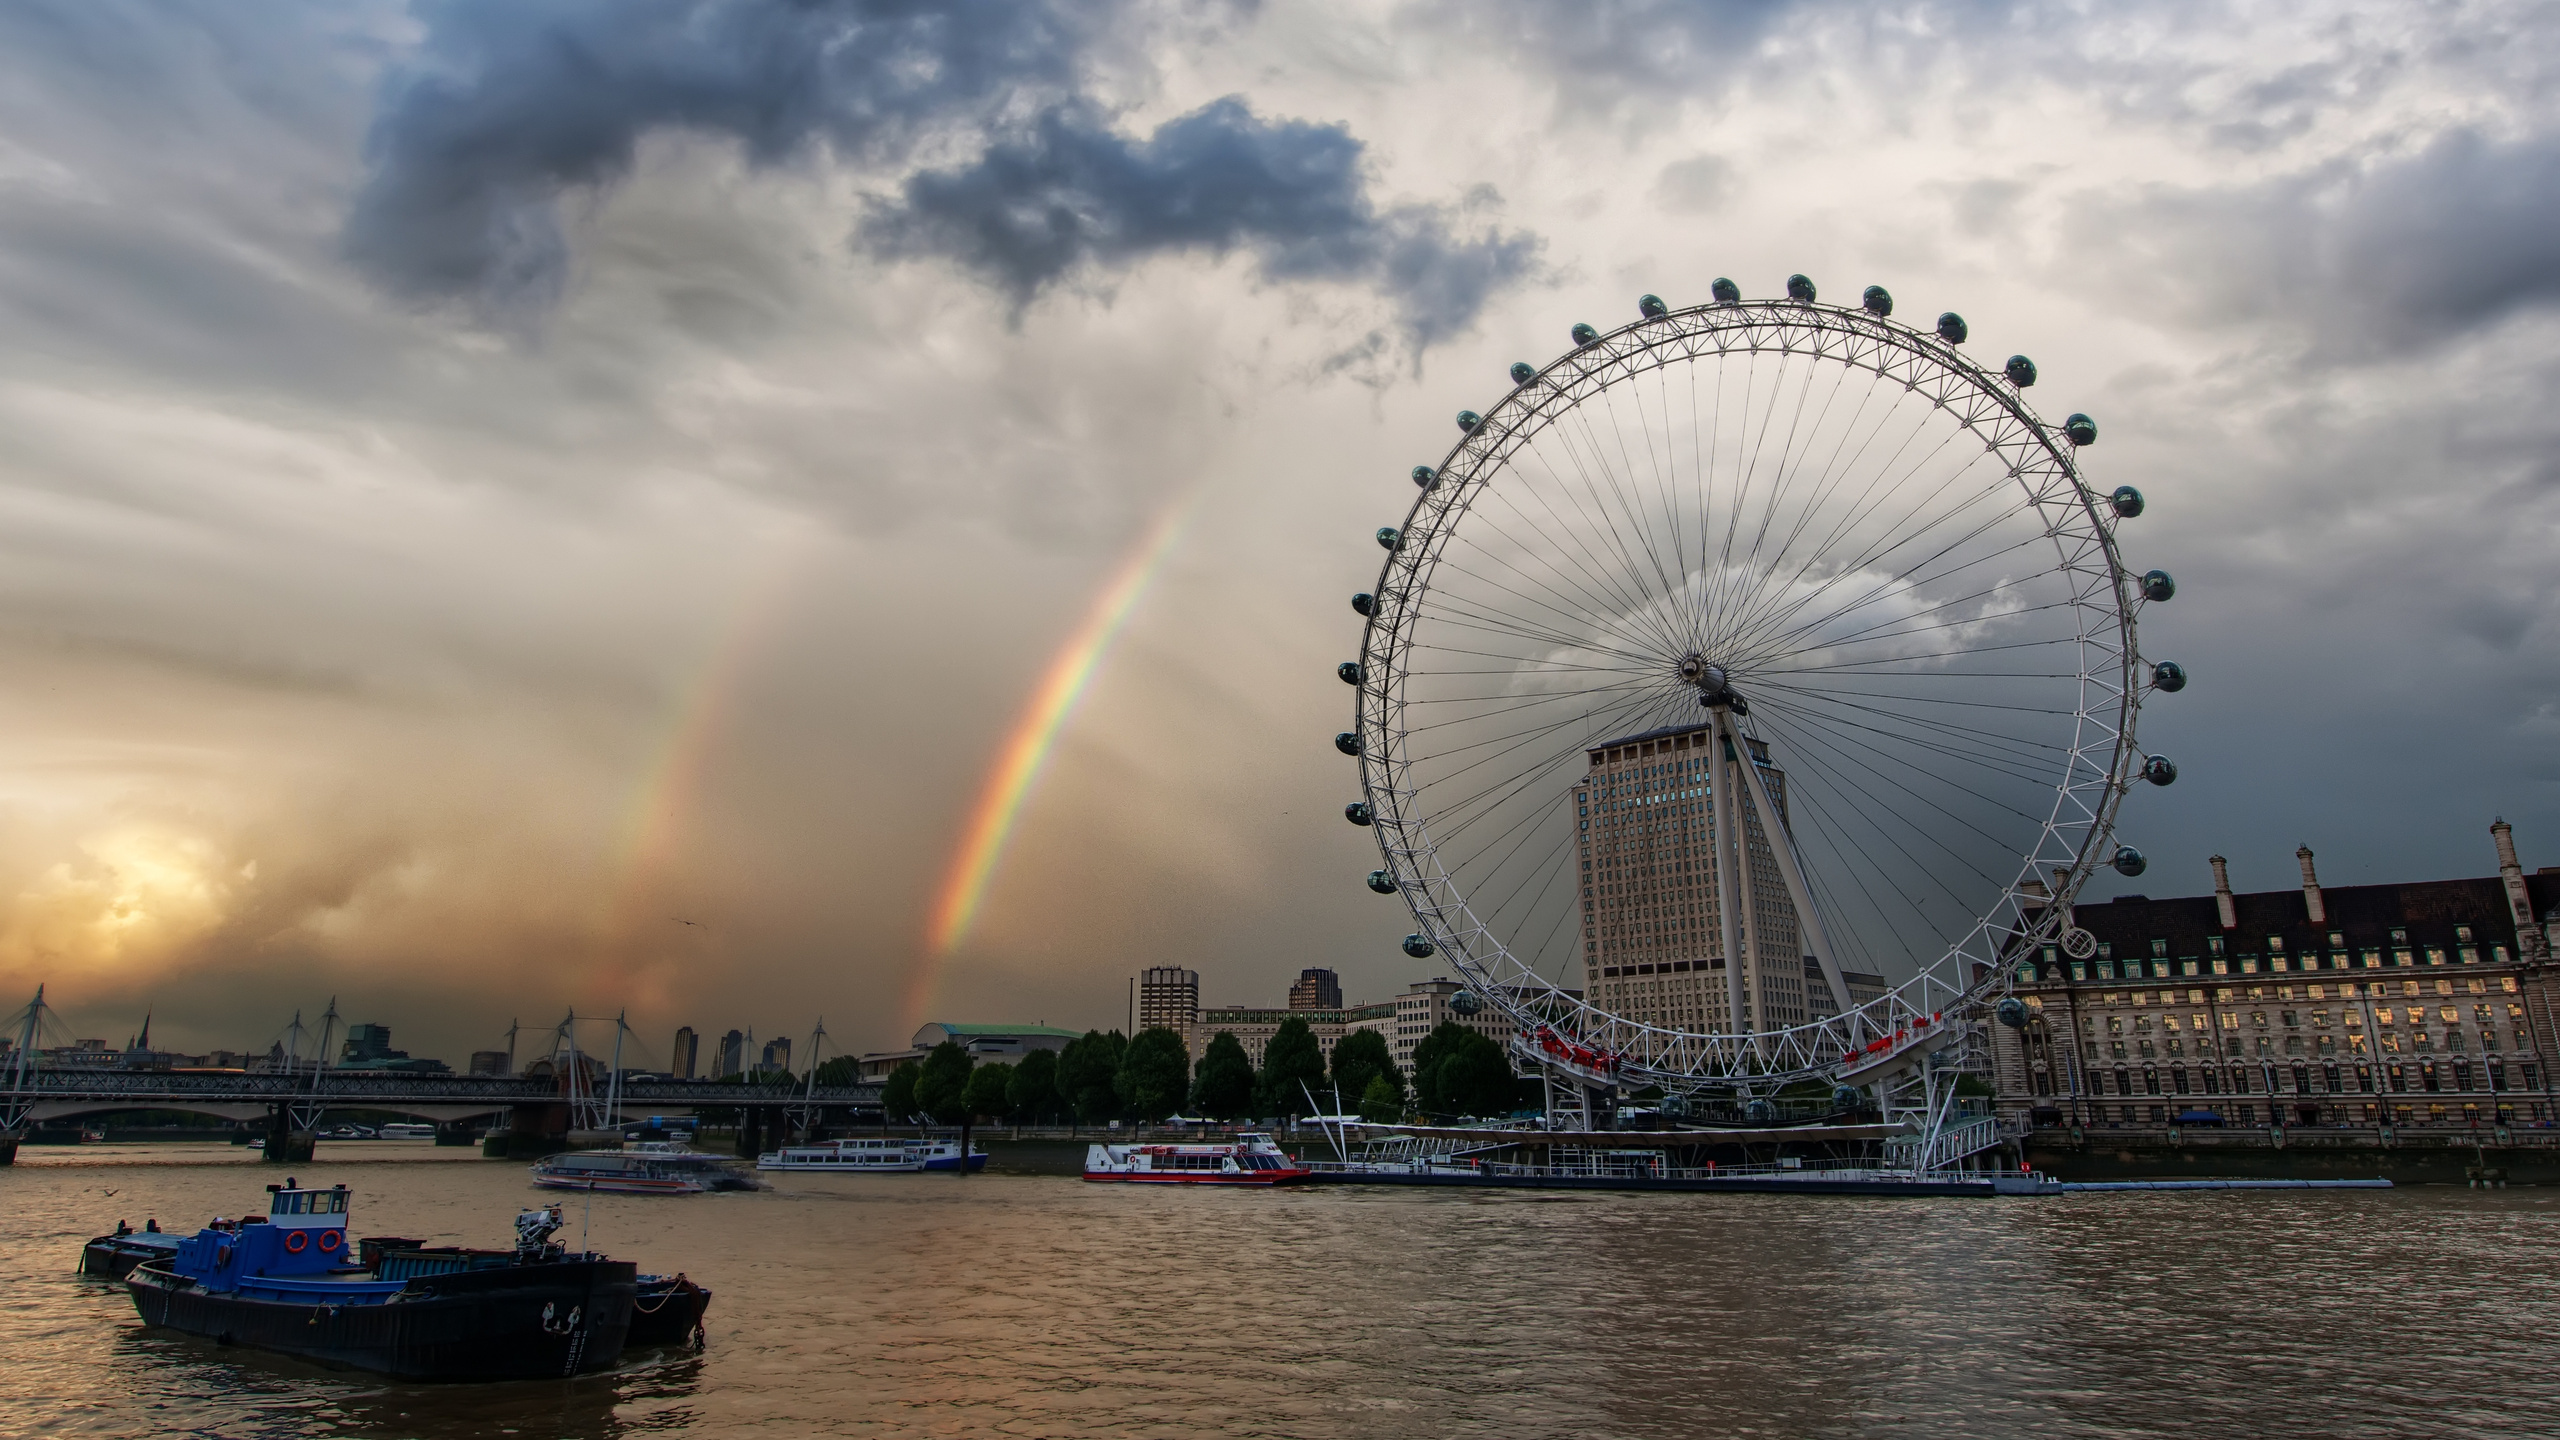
column 1597, row 1046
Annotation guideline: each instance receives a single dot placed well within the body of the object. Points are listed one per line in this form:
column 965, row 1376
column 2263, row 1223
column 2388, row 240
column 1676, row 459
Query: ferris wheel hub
column 1715, row 684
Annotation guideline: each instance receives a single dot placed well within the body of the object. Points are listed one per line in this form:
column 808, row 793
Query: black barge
column 285, row 1282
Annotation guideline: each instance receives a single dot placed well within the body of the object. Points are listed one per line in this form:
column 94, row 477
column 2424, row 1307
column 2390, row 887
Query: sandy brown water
column 1036, row 1305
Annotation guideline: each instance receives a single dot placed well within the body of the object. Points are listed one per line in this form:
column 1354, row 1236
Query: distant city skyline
column 729, row 567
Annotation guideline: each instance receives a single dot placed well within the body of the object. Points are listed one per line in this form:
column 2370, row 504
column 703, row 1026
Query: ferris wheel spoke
column 1906, row 528
column 1909, row 579
column 1620, row 579
column 1467, row 614
column 1782, row 478
column 1836, row 474
column 1520, row 740
column 1867, row 803
column 1601, row 602
column 1655, row 595
column 1969, row 745
column 1809, row 722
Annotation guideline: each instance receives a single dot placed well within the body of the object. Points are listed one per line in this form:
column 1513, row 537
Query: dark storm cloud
column 1070, row 193
column 2400, row 251
column 509, row 108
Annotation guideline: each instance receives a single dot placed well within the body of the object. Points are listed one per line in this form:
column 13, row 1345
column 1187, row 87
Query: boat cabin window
column 309, row 1202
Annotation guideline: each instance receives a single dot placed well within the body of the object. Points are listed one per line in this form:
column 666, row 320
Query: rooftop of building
column 2363, row 916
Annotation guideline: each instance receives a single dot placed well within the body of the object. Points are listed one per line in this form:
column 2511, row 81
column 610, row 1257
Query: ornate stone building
column 2425, row 1004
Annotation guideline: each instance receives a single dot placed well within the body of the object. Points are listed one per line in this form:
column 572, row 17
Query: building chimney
column 2511, row 875
column 2311, row 888
column 2222, row 893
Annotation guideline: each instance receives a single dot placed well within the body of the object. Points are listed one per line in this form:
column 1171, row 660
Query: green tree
column 1292, row 1065
column 1087, row 1071
column 1383, row 1102
column 1458, row 1071
column 898, row 1094
column 842, row 1070
column 1155, row 1074
column 1032, row 1089
column 990, row 1091
column 942, row 1089
column 1222, row 1088
column 1358, row 1058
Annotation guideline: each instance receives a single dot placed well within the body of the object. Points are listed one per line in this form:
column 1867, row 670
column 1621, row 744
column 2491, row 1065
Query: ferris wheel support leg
column 1719, row 796
column 1783, row 845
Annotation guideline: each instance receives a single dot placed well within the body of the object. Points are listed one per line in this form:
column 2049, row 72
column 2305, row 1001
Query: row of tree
column 1103, row 1075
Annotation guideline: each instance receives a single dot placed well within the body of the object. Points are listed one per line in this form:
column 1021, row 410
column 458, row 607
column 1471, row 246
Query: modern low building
column 1003, row 1044
column 2420, row 1004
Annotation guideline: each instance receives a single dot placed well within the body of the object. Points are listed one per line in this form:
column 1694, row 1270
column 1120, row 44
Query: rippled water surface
column 1036, row 1305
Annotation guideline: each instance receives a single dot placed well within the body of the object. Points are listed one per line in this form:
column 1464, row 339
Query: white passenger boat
column 1251, row 1160
column 872, row 1156
column 652, row 1167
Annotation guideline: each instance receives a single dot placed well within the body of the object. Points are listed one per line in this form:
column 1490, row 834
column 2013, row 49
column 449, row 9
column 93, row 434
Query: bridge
column 543, row 1109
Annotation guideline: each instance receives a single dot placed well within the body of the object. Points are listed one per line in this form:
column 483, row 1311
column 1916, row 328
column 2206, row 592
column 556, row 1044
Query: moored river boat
column 1249, row 1160
column 286, row 1282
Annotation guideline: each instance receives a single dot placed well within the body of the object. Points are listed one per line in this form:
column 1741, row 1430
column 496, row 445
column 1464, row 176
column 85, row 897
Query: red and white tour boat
column 1250, row 1160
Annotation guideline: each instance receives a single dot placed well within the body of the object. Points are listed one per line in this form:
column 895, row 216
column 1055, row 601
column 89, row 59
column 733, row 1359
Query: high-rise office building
column 1316, row 990
column 733, row 1055
column 688, row 1046
column 777, row 1055
column 1652, row 940
column 1168, row 998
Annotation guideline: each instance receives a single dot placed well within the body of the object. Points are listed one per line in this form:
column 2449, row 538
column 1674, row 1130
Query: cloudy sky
column 509, row 507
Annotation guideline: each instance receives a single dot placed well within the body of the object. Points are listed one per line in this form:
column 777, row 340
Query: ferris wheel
column 1748, row 691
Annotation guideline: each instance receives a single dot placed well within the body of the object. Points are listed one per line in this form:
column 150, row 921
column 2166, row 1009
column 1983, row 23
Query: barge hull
column 488, row 1325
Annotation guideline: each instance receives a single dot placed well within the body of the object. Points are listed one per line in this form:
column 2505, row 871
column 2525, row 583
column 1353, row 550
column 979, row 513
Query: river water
column 1035, row 1305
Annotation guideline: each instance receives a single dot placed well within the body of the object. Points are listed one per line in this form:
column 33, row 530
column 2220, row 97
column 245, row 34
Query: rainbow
column 1026, row 750
column 657, row 819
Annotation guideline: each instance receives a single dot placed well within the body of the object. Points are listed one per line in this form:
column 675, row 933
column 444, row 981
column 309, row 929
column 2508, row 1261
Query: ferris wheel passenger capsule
column 1522, row 372
column 1425, row 477
column 2129, row 861
column 1878, row 300
column 1359, row 813
column 2127, row 502
column 2156, row 585
column 1725, row 291
column 1585, row 335
column 2169, row 677
column 2012, row 1012
column 1468, row 420
column 2081, row 429
column 2020, row 370
column 1418, row 947
column 1390, row 538
column 1651, row 307
column 1348, row 742
column 1800, row 289
column 1951, row 328
column 1382, row 882
column 2159, row 770
column 1350, row 672
column 1760, row 1110
column 1364, row 602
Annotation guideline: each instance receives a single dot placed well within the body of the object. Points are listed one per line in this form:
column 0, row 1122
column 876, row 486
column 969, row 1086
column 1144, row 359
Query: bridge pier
column 532, row 1131
column 8, row 1147
column 751, row 1122
column 286, row 1145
